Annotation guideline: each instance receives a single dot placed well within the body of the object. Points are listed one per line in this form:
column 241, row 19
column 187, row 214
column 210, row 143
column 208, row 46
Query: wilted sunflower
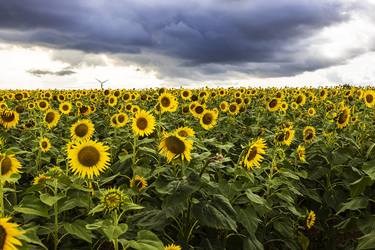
column 343, row 117
column 44, row 144
column 51, row 118
column 143, row 123
column 301, row 153
column 89, row 158
column 255, row 152
column 208, row 119
column 82, row 130
column 172, row 247
column 113, row 199
column 138, row 182
column 309, row 134
column 172, row 146
column 185, row 132
column 9, row 118
column 9, row 165
column 310, row 220
column 8, row 235
column 65, row 108
column 168, row 102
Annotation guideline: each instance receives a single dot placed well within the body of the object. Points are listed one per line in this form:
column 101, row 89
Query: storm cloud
column 182, row 38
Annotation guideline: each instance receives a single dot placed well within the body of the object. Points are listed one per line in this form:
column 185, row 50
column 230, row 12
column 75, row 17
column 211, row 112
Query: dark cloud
column 40, row 72
column 212, row 37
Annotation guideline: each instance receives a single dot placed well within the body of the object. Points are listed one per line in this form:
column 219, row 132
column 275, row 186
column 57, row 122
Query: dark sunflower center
column 343, row 117
column 7, row 117
column 185, row 109
column 272, row 103
column 287, row 135
column 207, row 119
column 44, row 144
column 232, row 108
column 369, row 98
column 114, row 120
column 183, row 133
column 81, row 130
column 280, row 137
column 120, row 118
column 88, row 156
column 253, row 153
column 299, row 99
column 222, row 106
column 65, row 107
column 50, row 117
column 199, row 109
column 142, row 123
column 18, row 96
column 6, row 165
column 185, row 94
column 165, row 102
column 43, row 104
column 309, row 135
column 175, row 145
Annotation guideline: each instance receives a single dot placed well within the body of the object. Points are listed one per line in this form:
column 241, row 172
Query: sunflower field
column 176, row 169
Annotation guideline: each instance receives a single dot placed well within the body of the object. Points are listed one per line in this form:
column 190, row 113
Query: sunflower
column 301, row 99
column 343, row 117
column 168, row 102
column 9, row 165
column 173, row 145
column 40, row 179
column 369, row 98
column 224, row 106
column 233, row 108
column 82, row 130
column 311, row 111
column 9, row 118
column 273, row 105
column 112, row 101
column 285, row 136
column 255, row 152
column 310, row 220
column 65, row 108
column 8, row 235
column 89, row 158
column 301, row 153
column 198, row 110
column 172, row 247
column 44, row 144
column 185, row 132
column 122, row 119
column 113, row 199
column 51, row 118
column 138, row 182
column 208, row 119
column 309, row 134
column 113, row 121
column 143, row 123
column 186, row 94
column 43, row 105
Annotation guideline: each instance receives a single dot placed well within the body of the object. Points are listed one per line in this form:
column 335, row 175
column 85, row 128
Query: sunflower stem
column 115, row 222
column 135, row 142
column 2, row 210
column 56, row 221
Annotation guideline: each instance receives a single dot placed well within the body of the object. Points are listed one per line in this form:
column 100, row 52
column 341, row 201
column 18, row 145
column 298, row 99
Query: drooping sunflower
column 113, row 199
column 143, row 123
column 82, row 130
column 172, row 247
column 51, row 118
column 173, row 146
column 168, row 102
column 208, row 119
column 9, row 118
column 369, row 98
column 343, row 117
column 65, row 108
column 9, row 165
column 8, row 235
column 138, row 182
column 254, row 155
column 44, row 144
column 185, row 132
column 309, row 134
column 89, row 158
column 310, row 220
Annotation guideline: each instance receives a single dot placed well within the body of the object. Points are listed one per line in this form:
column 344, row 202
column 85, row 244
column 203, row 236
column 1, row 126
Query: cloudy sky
column 149, row 43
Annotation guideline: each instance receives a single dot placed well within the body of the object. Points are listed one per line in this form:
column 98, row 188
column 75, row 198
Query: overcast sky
column 149, row 43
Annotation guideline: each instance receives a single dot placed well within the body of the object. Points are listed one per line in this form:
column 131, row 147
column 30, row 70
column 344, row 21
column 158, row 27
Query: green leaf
column 367, row 241
column 114, row 231
column 38, row 211
column 369, row 169
column 255, row 198
column 78, row 229
column 146, row 240
column 49, row 199
column 30, row 236
column 354, row 204
column 248, row 218
column 303, row 240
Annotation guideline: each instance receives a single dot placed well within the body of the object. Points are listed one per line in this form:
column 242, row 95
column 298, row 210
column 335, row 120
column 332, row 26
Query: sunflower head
column 41, row 179
column 44, row 144
column 9, row 118
column 172, row 146
column 8, row 234
column 254, row 155
column 343, row 117
column 113, row 199
column 143, row 123
column 172, row 247
column 168, row 102
column 208, row 119
column 88, row 158
column 185, row 132
column 51, row 118
column 138, row 182
column 309, row 134
column 9, row 165
column 82, row 130
column 301, row 153
column 310, row 220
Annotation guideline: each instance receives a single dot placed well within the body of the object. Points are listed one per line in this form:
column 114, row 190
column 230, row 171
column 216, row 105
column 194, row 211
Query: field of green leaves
column 176, row 169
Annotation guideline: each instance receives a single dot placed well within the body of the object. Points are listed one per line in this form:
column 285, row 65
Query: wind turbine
column 101, row 82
